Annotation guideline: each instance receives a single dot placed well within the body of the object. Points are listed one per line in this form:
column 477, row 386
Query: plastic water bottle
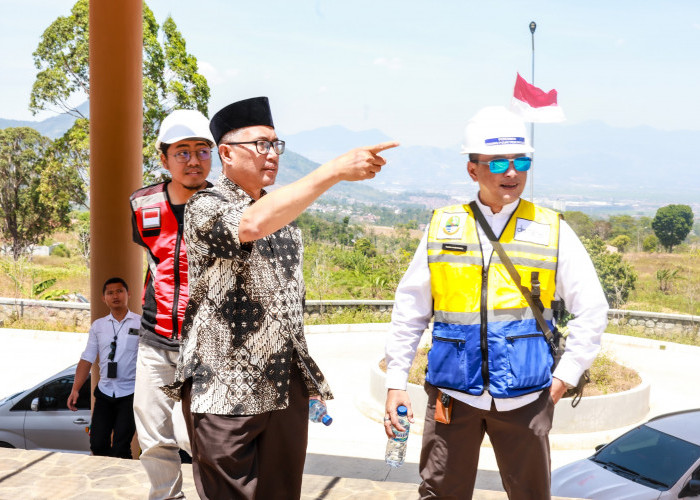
column 396, row 446
column 318, row 412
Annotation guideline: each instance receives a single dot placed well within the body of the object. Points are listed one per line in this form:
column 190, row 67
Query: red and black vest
column 165, row 290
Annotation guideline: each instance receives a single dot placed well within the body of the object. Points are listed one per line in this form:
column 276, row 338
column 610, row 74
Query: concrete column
column 116, row 129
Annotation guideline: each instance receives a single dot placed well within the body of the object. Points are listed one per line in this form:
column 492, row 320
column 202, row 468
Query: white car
column 38, row 418
column 657, row 460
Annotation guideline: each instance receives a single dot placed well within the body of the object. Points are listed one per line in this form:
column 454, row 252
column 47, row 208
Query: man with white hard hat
column 184, row 143
column 489, row 367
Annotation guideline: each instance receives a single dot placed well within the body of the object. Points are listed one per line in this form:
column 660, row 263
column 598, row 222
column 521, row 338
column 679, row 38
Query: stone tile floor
column 39, row 475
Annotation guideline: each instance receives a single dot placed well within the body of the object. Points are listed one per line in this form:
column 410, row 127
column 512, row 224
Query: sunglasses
column 500, row 165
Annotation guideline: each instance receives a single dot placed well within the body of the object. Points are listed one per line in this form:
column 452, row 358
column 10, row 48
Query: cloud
column 322, row 89
column 392, row 63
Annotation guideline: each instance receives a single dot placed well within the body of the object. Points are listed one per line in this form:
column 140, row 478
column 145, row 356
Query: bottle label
column 401, row 436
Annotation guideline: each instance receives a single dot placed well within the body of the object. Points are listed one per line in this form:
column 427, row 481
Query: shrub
column 618, row 278
column 650, row 243
column 60, row 250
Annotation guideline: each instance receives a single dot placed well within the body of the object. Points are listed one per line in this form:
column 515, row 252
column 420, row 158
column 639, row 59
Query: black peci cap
column 245, row 113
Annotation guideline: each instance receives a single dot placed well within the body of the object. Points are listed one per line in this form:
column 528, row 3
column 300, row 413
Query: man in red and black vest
column 184, row 144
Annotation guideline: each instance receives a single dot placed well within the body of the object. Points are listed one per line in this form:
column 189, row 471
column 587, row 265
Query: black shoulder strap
column 515, row 275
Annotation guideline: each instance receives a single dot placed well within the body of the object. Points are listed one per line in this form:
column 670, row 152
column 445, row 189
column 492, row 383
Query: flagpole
column 533, row 27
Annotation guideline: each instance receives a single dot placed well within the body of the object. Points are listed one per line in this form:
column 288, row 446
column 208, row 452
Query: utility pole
column 533, row 27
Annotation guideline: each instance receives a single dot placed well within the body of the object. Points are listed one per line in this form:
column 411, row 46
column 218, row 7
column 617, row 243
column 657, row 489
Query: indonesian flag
column 535, row 105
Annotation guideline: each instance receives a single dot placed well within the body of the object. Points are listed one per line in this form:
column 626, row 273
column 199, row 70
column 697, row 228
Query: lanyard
column 114, row 342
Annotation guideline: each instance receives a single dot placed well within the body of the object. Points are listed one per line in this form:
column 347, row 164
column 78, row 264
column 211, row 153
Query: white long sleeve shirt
column 576, row 283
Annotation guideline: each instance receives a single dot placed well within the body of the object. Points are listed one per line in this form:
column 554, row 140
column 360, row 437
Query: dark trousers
column 112, row 427
column 252, row 456
column 520, row 438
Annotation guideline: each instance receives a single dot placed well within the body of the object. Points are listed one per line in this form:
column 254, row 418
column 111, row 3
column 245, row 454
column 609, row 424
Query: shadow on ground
column 376, row 470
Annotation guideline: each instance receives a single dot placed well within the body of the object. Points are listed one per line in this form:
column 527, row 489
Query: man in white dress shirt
column 115, row 338
column 489, row 366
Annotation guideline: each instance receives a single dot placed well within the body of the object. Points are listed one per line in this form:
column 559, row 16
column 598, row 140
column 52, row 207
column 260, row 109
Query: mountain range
column 573, row 162
column 589, row 160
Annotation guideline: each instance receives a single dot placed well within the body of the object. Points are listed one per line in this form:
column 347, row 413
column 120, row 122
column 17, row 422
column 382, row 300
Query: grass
column 678, row 338
column 18, row 277
column 607, row 376
column 53, row 326
column 683, row 296
column 349, row 316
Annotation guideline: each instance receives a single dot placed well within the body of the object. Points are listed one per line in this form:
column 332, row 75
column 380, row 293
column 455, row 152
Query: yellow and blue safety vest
column 485, row 336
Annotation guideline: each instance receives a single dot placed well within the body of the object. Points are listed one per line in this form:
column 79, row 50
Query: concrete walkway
column 344, row 460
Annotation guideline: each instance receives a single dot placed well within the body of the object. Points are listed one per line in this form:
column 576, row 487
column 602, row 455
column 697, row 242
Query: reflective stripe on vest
column 494, row 345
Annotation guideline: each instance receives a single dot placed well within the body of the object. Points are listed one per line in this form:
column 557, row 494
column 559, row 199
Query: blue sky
column 415, row 70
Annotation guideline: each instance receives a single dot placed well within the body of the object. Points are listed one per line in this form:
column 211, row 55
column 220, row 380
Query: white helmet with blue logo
column 495, row 130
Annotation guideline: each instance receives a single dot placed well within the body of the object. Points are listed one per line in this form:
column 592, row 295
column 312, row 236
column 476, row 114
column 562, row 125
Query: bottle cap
column 402, row 411
column 327, row 420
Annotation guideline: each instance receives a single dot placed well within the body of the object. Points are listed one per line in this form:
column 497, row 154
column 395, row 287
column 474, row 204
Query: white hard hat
column 494, row 130
column 184, row 124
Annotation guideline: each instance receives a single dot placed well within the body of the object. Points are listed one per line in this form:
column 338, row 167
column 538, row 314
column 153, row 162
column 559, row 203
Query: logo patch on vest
column 532, row 232
column 150, row 217
column 452, row 226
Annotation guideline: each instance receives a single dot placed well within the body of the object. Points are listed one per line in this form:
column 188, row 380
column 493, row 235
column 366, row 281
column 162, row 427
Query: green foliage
column 348, row 316
column 333, row 269
column 61, row 250
column 62, row 60
column 623, row 225
column 42, row 286
column 618, row 278
column 364, row 246
column 581, row 223
column 666, row 278
column 602, row 229
column 170, row 81
column 621, row 242
column 672, row 224
column 24, row 278
column 650, row 243
column 317, row 229
column 81, row 225
column 33, row 203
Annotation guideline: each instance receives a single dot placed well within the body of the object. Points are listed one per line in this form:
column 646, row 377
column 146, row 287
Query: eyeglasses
column 203, row 154
column 263, row 147
column 500, row 165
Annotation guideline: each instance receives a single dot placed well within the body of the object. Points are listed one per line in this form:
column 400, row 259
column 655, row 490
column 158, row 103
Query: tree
column 170, row 80
column 618, row 278
column 35, row 193
column 82, row 227
column 651, row 243
column 672, row 224
column 623, row 225
column 602, row 229
column 621, row 242
column 580, row 222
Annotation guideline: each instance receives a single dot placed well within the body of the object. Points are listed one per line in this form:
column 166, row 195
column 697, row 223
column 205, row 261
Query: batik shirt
column 243, row 326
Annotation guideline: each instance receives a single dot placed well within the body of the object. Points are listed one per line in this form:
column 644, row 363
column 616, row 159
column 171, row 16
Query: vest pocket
column 447, row 362
column 529, row 360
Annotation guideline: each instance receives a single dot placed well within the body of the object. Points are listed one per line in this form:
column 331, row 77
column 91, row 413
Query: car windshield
column 649, row 457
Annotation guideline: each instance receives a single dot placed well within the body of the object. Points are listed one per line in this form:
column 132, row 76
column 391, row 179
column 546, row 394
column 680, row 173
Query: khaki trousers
column 520, row 439
column 250, row 456
column 161, row 430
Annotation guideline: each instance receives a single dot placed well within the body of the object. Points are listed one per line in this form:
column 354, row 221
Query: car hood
column 586, row 479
